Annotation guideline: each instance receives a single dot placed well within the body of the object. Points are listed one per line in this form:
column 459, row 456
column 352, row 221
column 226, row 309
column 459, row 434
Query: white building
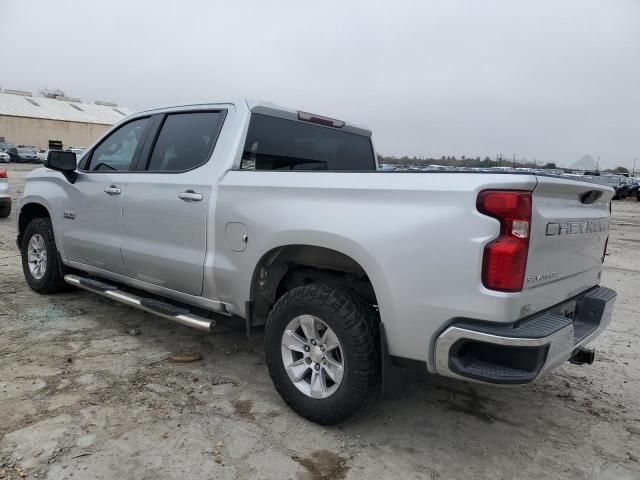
column 60, row 122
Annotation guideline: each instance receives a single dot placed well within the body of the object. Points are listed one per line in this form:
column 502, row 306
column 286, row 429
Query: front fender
column 45, row 188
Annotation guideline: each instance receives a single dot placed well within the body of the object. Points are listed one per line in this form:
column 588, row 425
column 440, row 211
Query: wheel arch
column 29, row 211
column 287, row 266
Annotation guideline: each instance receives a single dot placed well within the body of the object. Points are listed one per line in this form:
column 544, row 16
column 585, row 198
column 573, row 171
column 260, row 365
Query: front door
column 92, row 208
column 167, row 207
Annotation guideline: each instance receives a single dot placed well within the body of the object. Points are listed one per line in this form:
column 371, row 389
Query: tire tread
column 362, row 322
column 53, row 281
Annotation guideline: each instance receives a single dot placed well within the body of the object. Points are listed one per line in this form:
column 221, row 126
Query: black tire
column 52, row 279
column 356, row 325
column 5, row 211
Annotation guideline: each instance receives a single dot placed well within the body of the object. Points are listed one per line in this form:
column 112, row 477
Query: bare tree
column 51, row 92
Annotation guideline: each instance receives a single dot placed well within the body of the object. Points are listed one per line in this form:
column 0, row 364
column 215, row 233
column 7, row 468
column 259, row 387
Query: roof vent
column 24, row 93
column 105, row 104
column 68, row 99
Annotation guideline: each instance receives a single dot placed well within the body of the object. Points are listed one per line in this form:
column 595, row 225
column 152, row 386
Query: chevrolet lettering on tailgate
column 577, row 227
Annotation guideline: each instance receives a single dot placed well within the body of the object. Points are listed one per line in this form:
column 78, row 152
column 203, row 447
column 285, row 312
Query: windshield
column 26, row 150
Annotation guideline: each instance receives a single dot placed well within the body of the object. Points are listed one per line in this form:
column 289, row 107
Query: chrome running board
column 151, row 305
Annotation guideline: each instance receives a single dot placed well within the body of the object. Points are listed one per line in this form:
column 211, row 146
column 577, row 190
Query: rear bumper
column 4, row 201
column 520, row 352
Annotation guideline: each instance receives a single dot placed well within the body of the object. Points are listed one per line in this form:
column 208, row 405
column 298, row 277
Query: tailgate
column 569, row 229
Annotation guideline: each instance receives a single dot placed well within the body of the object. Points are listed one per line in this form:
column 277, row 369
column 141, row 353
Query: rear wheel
column 322, row 351
column 40, row 262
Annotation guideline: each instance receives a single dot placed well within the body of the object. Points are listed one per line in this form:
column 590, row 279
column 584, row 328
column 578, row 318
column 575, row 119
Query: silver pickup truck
column 281, row 217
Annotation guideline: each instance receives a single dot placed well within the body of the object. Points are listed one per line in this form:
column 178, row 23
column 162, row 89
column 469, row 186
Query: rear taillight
column 3, row 173
column 505, row 258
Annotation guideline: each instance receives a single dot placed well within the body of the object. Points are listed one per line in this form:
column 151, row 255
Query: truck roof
column 274, row 110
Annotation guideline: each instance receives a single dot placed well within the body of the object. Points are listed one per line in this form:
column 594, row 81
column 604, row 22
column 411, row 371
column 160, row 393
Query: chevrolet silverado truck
column 282, row 218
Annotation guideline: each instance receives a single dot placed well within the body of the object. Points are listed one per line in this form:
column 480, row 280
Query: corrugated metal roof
column 53, row 109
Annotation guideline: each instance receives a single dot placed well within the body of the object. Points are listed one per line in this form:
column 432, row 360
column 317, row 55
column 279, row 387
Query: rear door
column 165, row 211
column 569, row 230
column 92, row 207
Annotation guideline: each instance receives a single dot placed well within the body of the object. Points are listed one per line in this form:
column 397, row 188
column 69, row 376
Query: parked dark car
column 4, row 146
column 615, row 182
column 11, row 149
column 633, row 186
column 623, row 191
column 28, row 155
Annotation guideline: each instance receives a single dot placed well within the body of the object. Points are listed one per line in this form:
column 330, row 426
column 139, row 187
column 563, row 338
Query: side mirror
column 64, row 162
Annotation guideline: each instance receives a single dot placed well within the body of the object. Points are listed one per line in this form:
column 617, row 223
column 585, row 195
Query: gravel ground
column 87, row 390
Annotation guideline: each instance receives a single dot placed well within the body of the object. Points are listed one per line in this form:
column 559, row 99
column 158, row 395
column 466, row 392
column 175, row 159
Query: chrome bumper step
column 519, row 352
column 166, row 310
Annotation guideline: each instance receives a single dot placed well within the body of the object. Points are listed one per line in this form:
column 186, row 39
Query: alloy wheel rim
column 37, row 256
column 312, row 356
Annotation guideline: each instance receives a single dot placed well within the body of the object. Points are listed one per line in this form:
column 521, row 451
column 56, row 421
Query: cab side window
column 117, row 151
column 186, row 141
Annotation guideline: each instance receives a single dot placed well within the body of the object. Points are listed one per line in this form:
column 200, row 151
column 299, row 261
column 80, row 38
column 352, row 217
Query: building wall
column 38, row 132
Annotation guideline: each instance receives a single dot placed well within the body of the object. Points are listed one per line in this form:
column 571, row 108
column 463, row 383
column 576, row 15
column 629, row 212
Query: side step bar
column 151, row 305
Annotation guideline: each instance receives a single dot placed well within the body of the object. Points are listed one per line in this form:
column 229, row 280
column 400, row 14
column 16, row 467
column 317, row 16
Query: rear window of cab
column 274, row 143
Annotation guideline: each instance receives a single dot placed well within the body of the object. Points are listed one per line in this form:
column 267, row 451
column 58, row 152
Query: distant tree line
column 463, row 161
column 621, row 170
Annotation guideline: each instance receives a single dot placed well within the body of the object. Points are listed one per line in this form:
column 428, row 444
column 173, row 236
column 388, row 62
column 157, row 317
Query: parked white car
column 42, row 155
column 5, row 157
column 78, row 151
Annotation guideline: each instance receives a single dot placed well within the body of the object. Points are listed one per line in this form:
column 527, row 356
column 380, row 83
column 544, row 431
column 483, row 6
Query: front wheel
column 322, row 351
column 40, row 263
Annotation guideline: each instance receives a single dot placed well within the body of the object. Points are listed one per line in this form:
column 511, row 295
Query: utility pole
column 598, row 164
column 633, row 174
column 514, row 160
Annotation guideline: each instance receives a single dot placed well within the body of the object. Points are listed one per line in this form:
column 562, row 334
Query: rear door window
column 185, row 141
column 279, row 144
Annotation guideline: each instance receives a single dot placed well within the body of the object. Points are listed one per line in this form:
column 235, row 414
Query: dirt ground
column 87, row 390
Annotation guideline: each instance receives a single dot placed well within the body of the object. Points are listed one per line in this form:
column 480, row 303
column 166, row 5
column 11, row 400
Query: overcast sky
column 546, row 79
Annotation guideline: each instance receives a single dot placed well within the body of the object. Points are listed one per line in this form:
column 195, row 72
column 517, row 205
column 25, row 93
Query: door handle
column 190, row 196
column 112, row 190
